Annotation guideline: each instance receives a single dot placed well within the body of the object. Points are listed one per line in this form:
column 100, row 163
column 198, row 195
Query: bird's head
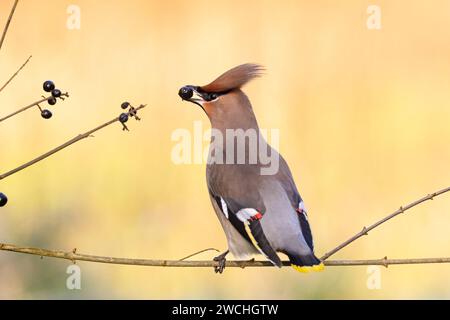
column 223, row 96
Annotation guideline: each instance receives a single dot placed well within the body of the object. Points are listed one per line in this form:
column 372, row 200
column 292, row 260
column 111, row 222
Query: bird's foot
column 222, row 261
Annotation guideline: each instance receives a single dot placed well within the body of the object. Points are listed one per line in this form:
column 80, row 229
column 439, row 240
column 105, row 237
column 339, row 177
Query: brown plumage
column 234, row 78
column 260, row 210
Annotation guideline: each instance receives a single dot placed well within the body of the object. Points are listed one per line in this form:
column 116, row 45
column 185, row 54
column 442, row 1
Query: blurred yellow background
column 364, row 118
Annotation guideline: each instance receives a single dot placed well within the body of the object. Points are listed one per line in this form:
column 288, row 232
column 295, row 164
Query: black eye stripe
column 210, row 96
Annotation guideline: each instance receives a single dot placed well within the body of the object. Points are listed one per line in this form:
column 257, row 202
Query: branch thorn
column 364, row 231
column 385, row 262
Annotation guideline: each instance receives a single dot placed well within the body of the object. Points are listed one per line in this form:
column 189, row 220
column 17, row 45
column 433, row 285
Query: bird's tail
column 305, row 263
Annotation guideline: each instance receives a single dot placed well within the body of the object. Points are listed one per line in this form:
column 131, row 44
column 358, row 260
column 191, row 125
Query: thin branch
column 8, row 22
column 16, row 73
column 74, row 256
column 198, row 252
column 31, row 106
column 66, row 144
column 365, row 230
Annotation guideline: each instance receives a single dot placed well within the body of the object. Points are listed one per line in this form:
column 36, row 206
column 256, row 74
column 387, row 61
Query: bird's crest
column 235, row 78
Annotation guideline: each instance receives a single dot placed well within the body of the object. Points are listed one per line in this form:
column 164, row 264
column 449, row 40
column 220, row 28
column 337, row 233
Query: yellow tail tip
column 319, row 267
column 306, row 269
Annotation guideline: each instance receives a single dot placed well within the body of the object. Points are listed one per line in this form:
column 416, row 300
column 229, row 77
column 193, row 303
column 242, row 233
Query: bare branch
column 198, row 252
column 31, row 106
column 66, row 144
column 74, row 256
column 5, row 30
column 365, row 230
column 15, row 74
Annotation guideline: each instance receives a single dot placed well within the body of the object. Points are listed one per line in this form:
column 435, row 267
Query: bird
column 259, row 213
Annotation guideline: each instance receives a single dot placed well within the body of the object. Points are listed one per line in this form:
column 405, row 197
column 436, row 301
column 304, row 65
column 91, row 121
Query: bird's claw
column 221, row 262
column 221, row 266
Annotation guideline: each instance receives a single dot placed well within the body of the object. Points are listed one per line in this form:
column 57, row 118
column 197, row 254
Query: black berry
column 51, row 101
column 48, row 86
column 56, row 93
column 46, row 114
column 186, row 93
column 125, row 105
column 3, row 199
column 123, row 118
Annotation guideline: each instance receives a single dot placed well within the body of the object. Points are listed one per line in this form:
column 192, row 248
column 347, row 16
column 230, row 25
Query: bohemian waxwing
column 261, row 213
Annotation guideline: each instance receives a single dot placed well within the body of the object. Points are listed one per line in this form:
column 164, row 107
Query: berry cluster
column 131, row 112
column 49, row 86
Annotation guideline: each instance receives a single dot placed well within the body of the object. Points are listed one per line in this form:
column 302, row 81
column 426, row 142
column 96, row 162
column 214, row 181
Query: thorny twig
column 198, row 252
column 15, row 74
column 5, row 30
column 31, row 106
column 74, row 256
column 63, row 146
column 366, row 230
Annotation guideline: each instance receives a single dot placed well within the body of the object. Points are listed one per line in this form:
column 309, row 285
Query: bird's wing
column 287, row 181
column 304, row 224
column 246, row 220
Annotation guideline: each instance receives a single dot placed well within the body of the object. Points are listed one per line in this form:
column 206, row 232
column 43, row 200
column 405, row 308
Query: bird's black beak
column 191, row 94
